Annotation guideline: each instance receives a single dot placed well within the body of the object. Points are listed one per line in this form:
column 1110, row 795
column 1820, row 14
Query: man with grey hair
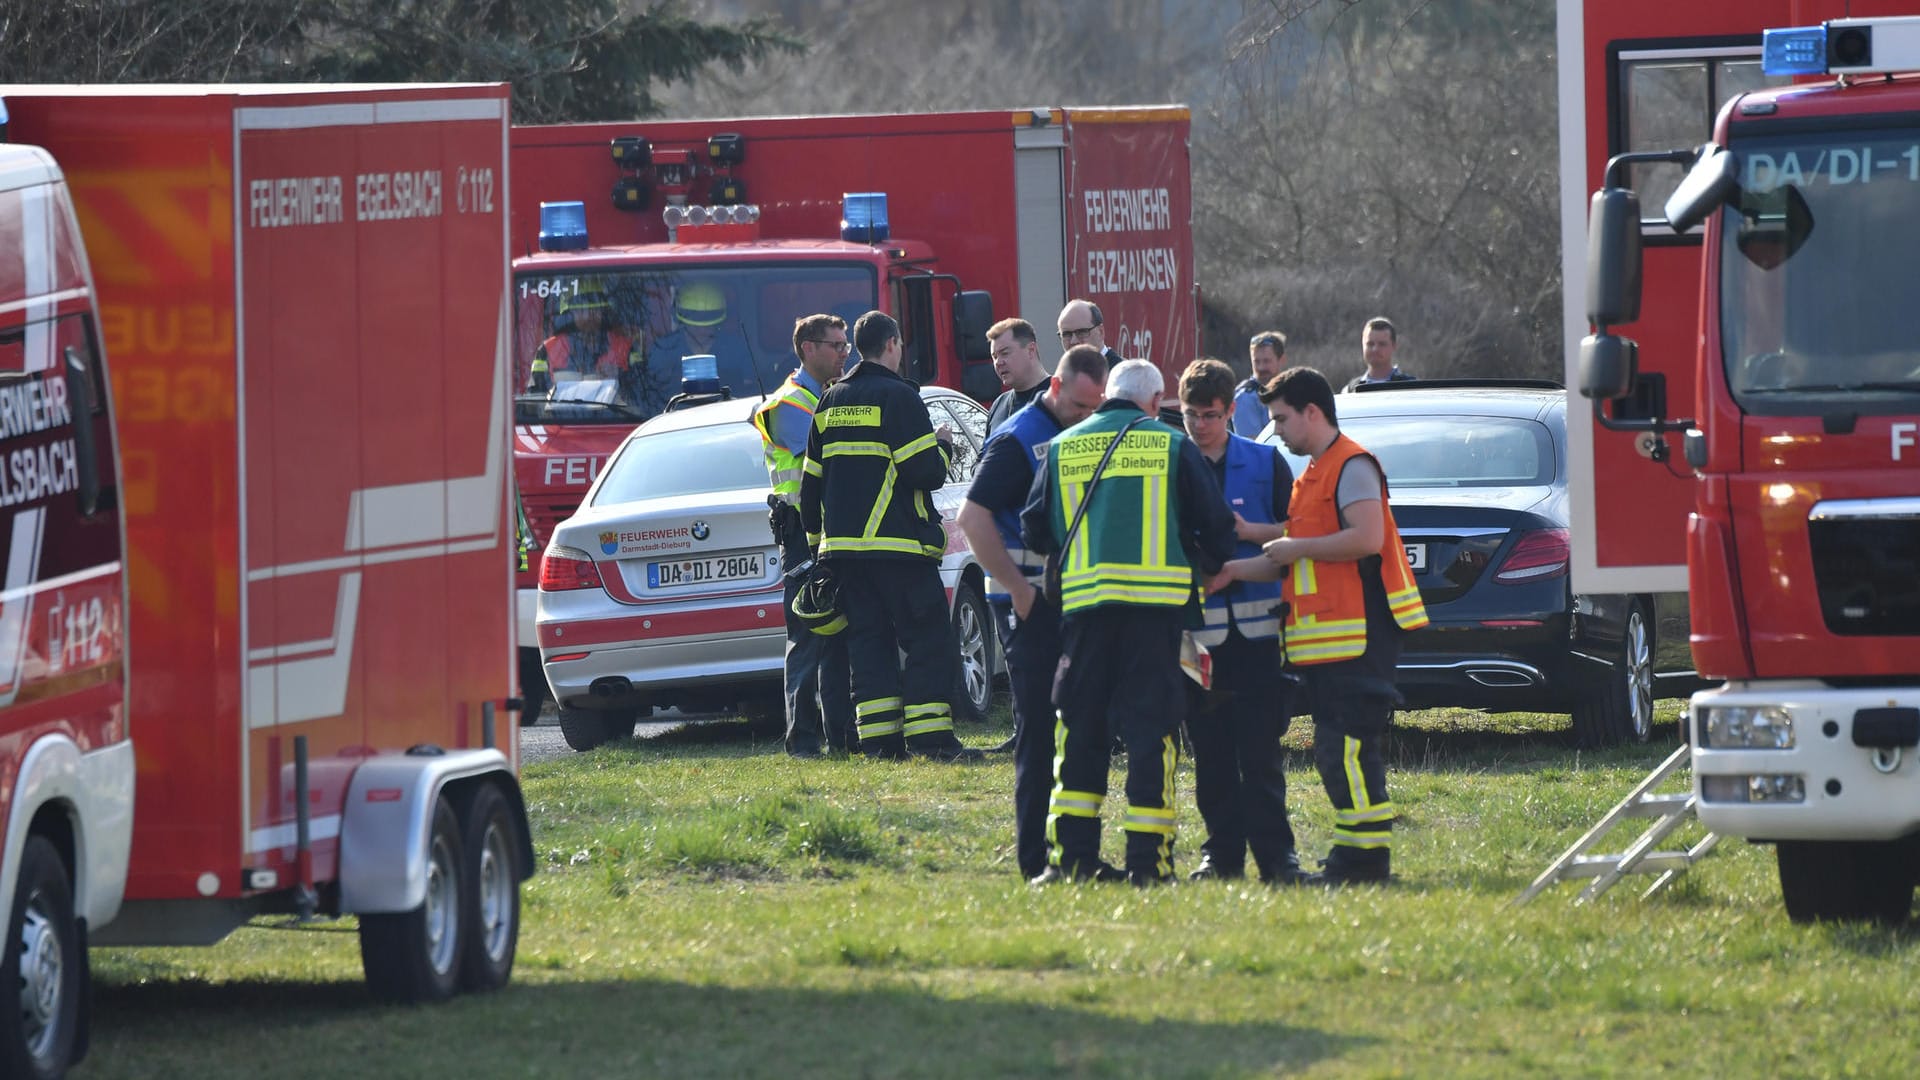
column 1130, row 511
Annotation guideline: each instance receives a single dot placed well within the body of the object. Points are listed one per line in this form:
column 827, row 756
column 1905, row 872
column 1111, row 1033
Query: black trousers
column 1119, row 674
column 1234, row 729
column 819, row 682
column 894, row 606
column 1032, row 647
column 1349, row 748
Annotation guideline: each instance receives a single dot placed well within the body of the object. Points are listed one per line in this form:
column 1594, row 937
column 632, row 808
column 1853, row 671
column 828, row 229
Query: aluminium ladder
column 1670, row 811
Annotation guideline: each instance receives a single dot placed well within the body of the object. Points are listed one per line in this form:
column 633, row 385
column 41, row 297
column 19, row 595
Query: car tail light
column 1539, row 553
column 564, row 568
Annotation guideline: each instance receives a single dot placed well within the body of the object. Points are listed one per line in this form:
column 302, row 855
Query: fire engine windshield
column 606, row 346
column 1816, row 286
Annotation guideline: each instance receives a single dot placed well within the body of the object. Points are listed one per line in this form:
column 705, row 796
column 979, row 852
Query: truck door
column 60, row 540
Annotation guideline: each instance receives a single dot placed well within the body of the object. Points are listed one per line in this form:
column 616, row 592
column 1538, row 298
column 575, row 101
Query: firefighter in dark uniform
column 873, row 463
column 819, row 698
column 1127, row 578
column 1350, row 598
column 1028, row 621
column 1235, row 725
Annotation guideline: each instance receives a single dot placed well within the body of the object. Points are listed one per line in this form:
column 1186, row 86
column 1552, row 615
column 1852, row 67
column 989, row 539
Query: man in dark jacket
column 873, row 463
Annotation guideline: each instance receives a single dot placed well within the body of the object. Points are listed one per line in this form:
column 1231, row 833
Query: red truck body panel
column 302, row 294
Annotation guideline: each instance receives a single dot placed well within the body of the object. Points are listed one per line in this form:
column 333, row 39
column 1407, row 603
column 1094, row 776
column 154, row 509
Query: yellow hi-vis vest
column 784, row 465
column 1326, row 603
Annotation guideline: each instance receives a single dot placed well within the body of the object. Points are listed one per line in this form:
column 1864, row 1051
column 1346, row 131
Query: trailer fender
column 388, row 815
column 95, row 790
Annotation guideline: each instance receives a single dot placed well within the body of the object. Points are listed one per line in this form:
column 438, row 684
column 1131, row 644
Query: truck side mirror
column 972, row 318
column 1714, row 178
column 1608, row 365
column 1613, row 257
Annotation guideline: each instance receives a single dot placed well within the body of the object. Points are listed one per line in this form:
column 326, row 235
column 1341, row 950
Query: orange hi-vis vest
column 1326, row 603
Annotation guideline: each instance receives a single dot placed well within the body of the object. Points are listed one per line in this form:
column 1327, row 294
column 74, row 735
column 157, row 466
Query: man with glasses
column 1266, row 349
column 1235, row 725
column 819, row 686
column 1080, row 323
column 1016, row 359
column 1028, row 622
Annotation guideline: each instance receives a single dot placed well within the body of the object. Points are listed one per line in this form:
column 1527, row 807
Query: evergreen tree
column 566, row 59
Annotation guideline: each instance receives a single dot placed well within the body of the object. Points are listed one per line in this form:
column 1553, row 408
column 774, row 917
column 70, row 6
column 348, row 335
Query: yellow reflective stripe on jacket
column 856, row 449
column 828, row 545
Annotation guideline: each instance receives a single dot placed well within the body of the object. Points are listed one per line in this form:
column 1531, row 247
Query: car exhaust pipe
column 611, row 686
column 1505, row 678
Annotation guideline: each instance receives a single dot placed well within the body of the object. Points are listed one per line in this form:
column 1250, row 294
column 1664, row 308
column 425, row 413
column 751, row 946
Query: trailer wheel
column 1840, row 881
column 491, row 836
column 42, row 975
column 415, row 955
column 973, row 633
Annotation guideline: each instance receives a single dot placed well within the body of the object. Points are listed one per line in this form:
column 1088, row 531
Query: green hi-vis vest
column 783, row 465
column 1127, row 550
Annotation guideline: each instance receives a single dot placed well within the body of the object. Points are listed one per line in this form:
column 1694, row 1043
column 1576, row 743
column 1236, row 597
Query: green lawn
column 707, row 907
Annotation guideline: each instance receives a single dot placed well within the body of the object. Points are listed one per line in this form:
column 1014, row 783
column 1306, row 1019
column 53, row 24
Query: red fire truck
column 255, row 624
column 712, row 237
column 1770, row 236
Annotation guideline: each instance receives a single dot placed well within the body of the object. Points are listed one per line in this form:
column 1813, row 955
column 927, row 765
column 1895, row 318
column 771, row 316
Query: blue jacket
column 1249, row 416
column 1032, row 427
column 1249, row 491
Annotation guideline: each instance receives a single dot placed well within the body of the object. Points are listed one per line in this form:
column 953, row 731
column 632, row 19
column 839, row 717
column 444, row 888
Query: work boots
column 1351, row 866
column 942, row 746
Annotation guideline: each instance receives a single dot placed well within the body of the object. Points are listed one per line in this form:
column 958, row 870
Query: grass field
column 706, row 907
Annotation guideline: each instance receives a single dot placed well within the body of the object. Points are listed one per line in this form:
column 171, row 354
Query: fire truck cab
column 643, row 244
column 66, row 764
column 1801, row 526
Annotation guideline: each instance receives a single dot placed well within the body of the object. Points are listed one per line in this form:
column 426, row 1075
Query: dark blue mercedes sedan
column 1477, row 479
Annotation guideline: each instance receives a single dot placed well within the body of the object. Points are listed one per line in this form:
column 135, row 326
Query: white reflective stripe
column 23, row 565
column 289, row 117
column 286, row 835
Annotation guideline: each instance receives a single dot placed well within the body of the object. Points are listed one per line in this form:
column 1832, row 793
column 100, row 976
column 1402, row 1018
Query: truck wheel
column 42, row 978
column 1841, row 881
column 534, row 691
column 973, row 630
column 491, row 839
column 415, row 955
column 584, row 729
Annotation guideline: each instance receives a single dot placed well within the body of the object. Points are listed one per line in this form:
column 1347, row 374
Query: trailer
column 267, row 584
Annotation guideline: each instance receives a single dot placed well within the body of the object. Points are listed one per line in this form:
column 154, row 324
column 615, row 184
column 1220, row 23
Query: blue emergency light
column 700, row 374
column 1796, row 50
column 863, row 217
column 563, row 226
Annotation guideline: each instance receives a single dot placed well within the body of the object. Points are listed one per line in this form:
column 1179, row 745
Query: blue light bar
column 700, row 374
column 1799, row 50
column 863, row 217
column 563, row 226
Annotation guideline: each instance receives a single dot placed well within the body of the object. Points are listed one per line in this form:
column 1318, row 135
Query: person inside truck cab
column 702, row 326
column 588, row 342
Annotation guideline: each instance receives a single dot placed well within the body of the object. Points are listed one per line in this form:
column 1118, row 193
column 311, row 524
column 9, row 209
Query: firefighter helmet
column 818, row 602
column 589, row 295
column 700, row 304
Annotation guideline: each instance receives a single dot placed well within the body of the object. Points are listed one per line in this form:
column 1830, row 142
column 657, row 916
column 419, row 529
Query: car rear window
column 1457, row 451
column 686, row 461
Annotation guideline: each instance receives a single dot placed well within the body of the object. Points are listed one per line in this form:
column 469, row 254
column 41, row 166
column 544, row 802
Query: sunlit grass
column 706, row 906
